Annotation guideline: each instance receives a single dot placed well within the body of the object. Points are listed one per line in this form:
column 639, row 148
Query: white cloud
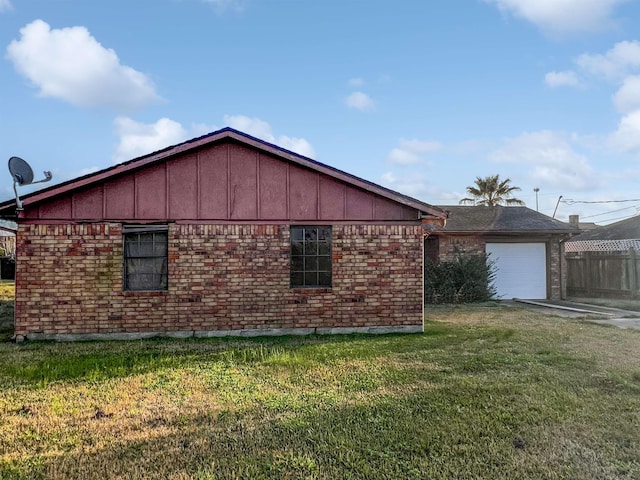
column 620, row 65
column 414, row 185
column 72, row 65
column 360, row 101
column 550, row 158
column 409, row 152
column 356, row 82
column 561, row 16
column 616, row 63
column 253, row 126
column 5, row 5
column 223, row 5
column 298, row 145
column 403, row 157
column 138, row 139
column 627, row 137
column 561, row 79
column 627, row 98
column 261, row 129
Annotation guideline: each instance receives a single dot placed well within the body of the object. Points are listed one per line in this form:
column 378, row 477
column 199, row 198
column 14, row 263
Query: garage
column 528, row 245
column 521, row 269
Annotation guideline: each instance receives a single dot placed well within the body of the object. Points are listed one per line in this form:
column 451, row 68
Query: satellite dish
column 20, row 171
column 22, row 174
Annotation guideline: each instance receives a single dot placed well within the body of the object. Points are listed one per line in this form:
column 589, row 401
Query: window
column 145, row 258
column 310, row 257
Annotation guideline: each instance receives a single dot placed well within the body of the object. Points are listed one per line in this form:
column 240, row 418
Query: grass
column 6, row 309
column 486, row 392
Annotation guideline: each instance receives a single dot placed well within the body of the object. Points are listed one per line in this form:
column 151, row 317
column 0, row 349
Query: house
column 7, row 250
column 224, row 234
column 582, row 226
column 619, row 236
column 603, row 262
column 524, row 244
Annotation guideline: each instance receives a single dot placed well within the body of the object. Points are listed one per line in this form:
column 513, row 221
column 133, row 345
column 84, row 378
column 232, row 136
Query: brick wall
column 454, row 246
column 221, row 278
column 555, row 269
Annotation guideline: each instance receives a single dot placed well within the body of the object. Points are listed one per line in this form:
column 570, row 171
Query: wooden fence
column 603, row 274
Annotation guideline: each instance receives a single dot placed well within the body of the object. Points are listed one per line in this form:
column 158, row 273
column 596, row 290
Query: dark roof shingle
column 628, row 229
column 500, row 219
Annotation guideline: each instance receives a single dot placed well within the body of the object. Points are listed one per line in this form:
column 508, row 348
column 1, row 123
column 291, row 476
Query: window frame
column 320, row 260
column 129, row 231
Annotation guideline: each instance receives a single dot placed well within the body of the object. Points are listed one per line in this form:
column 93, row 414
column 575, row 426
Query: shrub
column 466, row 279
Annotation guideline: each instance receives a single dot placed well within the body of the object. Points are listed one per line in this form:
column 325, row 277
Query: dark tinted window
column 310, row 256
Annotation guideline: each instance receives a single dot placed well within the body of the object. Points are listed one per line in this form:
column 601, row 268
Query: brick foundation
column 222, row 278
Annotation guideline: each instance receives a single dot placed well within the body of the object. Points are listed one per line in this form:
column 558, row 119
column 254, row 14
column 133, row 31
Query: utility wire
column 569, row 201
column 618, row 218
column 610, row 211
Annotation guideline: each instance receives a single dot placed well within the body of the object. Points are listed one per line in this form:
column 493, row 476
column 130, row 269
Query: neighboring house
column 524, row 244
column 603, row 262
column 7, row 250
column 582, row 226
column 7, row 253
column 221, row 235
column 615, row 237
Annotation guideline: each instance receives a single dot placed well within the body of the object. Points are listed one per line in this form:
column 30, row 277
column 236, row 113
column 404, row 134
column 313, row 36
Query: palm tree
column 491, row 191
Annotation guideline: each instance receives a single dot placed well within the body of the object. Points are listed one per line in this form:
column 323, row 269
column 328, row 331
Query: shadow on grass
column 449, row 431
column 378, row 440
column 6, row 334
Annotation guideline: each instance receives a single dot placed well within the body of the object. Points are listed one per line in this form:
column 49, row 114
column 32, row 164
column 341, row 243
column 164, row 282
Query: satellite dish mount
column 23, row 175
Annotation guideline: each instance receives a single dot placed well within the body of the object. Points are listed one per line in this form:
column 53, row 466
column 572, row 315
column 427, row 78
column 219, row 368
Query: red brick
column 220, row 277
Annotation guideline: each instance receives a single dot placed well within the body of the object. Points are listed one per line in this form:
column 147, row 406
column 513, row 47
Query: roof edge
column 226, row 133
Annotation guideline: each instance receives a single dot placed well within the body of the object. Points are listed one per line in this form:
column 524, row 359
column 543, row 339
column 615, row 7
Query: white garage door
column 521, row 269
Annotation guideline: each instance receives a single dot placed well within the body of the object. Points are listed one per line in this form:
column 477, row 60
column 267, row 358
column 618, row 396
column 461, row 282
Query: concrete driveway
column 606, row 315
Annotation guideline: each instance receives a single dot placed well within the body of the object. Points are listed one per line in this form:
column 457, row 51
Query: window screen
column 145, row 258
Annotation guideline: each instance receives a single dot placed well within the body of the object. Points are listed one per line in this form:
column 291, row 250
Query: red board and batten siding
column 223, row 182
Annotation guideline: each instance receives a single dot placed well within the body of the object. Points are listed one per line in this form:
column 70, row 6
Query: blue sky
column 419, row 96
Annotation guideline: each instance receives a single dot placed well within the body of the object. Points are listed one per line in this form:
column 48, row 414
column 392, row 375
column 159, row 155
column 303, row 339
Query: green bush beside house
column 467, row 279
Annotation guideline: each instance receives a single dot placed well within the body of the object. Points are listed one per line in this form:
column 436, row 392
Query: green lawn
column 486, row 392
column 6, row 309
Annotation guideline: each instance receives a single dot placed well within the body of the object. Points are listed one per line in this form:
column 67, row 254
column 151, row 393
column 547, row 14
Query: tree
column 491, row 191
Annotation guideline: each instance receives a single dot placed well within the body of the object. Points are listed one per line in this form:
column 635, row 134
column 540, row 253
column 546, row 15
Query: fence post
column 563, row 271
column 633, row 273
column 588, row 273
